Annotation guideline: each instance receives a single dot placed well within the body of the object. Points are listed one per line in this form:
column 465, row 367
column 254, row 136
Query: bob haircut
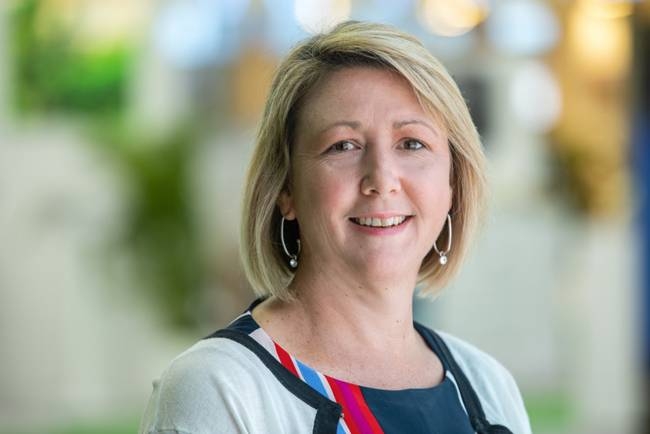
column 355, row 44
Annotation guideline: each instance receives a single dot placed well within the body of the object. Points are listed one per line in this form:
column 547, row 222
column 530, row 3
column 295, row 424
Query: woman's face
column 369, row 181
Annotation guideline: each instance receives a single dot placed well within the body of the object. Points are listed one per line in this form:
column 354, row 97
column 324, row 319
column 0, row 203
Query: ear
column 285, row 203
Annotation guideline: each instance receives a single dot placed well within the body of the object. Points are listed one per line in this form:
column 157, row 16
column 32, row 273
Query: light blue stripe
column 311, row 378
column 314, row 381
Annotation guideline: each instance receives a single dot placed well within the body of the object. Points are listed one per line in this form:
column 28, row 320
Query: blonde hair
column 352, row 44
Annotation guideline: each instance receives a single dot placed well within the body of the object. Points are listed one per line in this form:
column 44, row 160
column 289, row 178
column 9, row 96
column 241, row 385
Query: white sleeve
column 196, row 396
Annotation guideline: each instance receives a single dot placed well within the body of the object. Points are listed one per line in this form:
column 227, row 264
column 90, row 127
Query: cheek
column 322, row 192
column 436, row 199
column 432, row 181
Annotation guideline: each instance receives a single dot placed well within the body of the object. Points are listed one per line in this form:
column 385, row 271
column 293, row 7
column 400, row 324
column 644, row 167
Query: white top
column 220, row 385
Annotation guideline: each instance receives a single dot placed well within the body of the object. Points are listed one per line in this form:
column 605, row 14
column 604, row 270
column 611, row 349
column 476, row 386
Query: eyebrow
column 400, row 124
column 355, row 125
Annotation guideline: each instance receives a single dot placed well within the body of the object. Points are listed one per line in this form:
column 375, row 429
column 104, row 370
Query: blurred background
column 125, row 130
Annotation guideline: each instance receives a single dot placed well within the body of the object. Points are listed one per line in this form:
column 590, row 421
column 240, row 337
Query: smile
column 375, row 222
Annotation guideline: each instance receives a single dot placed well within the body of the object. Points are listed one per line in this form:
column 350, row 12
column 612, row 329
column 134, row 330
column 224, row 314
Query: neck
column 359, row 313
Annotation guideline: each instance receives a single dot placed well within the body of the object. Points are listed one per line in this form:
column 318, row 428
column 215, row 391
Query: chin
column 386, row 268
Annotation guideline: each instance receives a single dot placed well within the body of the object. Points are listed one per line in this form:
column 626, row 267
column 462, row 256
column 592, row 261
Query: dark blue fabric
column 435, row 410
column 246, row 324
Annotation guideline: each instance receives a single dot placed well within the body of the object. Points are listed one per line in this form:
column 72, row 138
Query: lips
column 380, row 222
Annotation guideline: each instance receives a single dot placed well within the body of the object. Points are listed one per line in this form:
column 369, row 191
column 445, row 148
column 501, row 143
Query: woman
column 366, row 181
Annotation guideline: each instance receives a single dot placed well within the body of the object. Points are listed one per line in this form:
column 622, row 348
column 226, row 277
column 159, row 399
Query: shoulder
column 213, row 363
column 493, row 383
column 229, row 383
column 218, row 368
column 474, row 362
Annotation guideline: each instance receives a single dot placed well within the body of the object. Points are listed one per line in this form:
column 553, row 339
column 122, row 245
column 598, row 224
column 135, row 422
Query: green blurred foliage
column 550, row 412
column 50, row 74
column 126, row 425
column 160, row 231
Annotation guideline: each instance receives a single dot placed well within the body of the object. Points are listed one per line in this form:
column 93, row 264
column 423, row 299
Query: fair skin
column 369, row 187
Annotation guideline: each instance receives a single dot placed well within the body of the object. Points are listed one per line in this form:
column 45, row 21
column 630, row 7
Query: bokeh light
column 452, row 18
column 523, row 27
column 535, row 97
column 318, row 15
column 600, row 37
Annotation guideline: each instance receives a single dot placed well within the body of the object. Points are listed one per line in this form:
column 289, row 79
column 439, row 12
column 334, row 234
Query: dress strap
column 467, row 393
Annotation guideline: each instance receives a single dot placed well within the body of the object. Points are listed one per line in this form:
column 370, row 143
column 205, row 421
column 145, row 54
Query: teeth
column 380, row 223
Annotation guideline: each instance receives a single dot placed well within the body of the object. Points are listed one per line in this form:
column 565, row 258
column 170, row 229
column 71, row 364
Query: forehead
column 356, row 90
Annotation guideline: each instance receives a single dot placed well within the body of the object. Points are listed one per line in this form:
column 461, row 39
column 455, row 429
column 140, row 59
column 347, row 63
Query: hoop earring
column 293, row 259
column 444, row 253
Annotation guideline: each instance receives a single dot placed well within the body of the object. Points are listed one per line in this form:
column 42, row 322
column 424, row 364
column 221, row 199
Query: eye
column 413, row 145
column 342, row 146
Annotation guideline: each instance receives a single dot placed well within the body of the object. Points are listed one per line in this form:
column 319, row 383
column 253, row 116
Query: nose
column 381, row 177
